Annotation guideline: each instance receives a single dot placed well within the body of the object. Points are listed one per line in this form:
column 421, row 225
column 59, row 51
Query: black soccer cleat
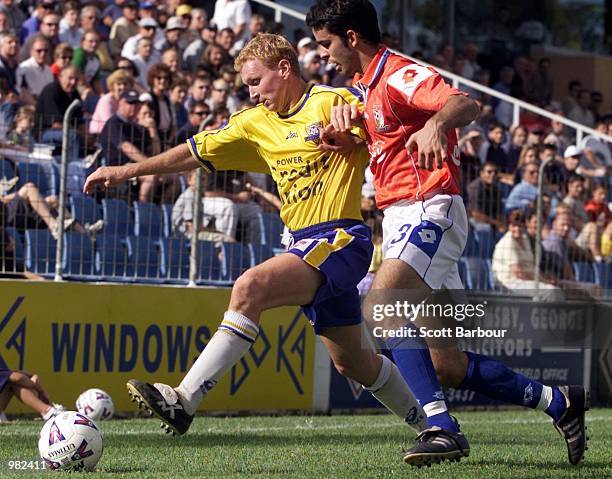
column 571, row 426
column 162, row 401
column 435, row 445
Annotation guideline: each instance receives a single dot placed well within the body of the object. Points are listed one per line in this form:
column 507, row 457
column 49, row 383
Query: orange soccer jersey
column 400, row 96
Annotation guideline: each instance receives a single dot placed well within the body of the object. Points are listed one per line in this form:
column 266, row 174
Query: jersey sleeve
column 227, row 148
column 420, row 87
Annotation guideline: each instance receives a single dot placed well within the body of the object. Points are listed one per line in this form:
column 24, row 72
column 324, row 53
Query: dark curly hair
column 339, row 16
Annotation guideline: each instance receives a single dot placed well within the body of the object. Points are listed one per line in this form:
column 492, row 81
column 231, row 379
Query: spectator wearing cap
column 31, row 26
column 172, row 37
column 49, row 28
column 312, row 65
column 184, row 12
column 88, row 63
column 51, row 106
column 193, row 53
column 9, row 55
column 304, row 46
column 523, row 195
column 159, row 79
column 34, row 73
column 485, row 199
column 124, row 27
column 513, row 261
column 197, row 114
column 234, row 14
column 14, row 14
column 118, row 82
column 62, row 55
column 146, row 29
column 145, row 58
column 69, row 30
column 122, row 140
column 581, row 113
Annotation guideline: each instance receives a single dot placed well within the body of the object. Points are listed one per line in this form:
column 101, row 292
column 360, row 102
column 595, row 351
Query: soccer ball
column 70, row 441
column 96, row 404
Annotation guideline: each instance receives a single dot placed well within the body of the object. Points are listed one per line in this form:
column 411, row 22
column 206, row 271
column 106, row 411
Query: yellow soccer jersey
column 314, row 186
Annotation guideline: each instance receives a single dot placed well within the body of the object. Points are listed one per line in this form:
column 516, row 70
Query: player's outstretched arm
column 176, row 160
column 430, row 141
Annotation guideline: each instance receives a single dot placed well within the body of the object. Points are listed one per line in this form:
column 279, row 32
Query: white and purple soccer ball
column 95, row 404
column 70, row 441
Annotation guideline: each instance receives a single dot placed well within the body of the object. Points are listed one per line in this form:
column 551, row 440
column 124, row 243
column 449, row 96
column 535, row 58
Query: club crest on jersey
column 379, row 119
column 313, row 132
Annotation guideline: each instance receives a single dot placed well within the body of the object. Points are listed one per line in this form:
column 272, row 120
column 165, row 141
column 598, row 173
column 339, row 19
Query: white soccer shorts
column 429, row 236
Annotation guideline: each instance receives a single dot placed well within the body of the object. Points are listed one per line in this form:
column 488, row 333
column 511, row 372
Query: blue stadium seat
column 584, row 271
column 166, row 211
column 79, row 257
column 75, row 178
column 273, row 229
column 111, row 257
column 175, row 255
column 486, row 242
column 143, row 254
column 260, row 253
column 236, row 260
column 19, row 252
column 7, row 170
column 603, row 274
column 147, row 220
column 84, row 209
column 117, row 218
column 477, row 275
column 40, row 252
column 33, row 173
column 209, row 265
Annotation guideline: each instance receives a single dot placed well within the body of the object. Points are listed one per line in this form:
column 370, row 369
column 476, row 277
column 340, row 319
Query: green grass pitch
column 508, row 444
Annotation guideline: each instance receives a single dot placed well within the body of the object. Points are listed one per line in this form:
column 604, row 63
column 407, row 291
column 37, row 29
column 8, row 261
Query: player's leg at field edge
column 411, row 355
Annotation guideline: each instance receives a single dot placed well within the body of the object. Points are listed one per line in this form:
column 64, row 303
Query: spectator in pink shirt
column 118, row 82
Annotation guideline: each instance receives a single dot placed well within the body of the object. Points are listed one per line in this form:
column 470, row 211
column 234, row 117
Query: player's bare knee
column 346, row 368
column 248, row 293
column 448, row 363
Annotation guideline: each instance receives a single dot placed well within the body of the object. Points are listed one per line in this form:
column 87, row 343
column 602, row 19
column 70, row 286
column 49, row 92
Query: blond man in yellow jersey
column 331, row 247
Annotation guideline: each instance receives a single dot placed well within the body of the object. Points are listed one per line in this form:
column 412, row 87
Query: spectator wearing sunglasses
column 63, row 55
column 34, row 73
column 197, row 114
column 484, row 199
column 32, row 25
column 49, row 29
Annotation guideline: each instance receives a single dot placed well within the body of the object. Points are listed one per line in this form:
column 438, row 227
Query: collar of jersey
column 300, row 104
column 374, row 68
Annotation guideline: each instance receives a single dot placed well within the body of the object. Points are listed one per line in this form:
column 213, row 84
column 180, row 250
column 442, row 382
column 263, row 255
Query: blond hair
column 120, row 76
column 269, row 49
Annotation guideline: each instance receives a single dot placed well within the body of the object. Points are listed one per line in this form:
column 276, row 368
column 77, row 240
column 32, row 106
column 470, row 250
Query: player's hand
column 344, row 117
column 106, row 177
column 430, row 143
column 334, row 141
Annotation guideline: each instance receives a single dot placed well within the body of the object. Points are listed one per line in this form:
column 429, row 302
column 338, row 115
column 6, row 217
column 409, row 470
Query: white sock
column 391, row 391
column 50, row 413
column 545, row 399
column 232, row 340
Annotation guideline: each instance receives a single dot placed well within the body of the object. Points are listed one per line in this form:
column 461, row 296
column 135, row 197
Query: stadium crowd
column 151, row 74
